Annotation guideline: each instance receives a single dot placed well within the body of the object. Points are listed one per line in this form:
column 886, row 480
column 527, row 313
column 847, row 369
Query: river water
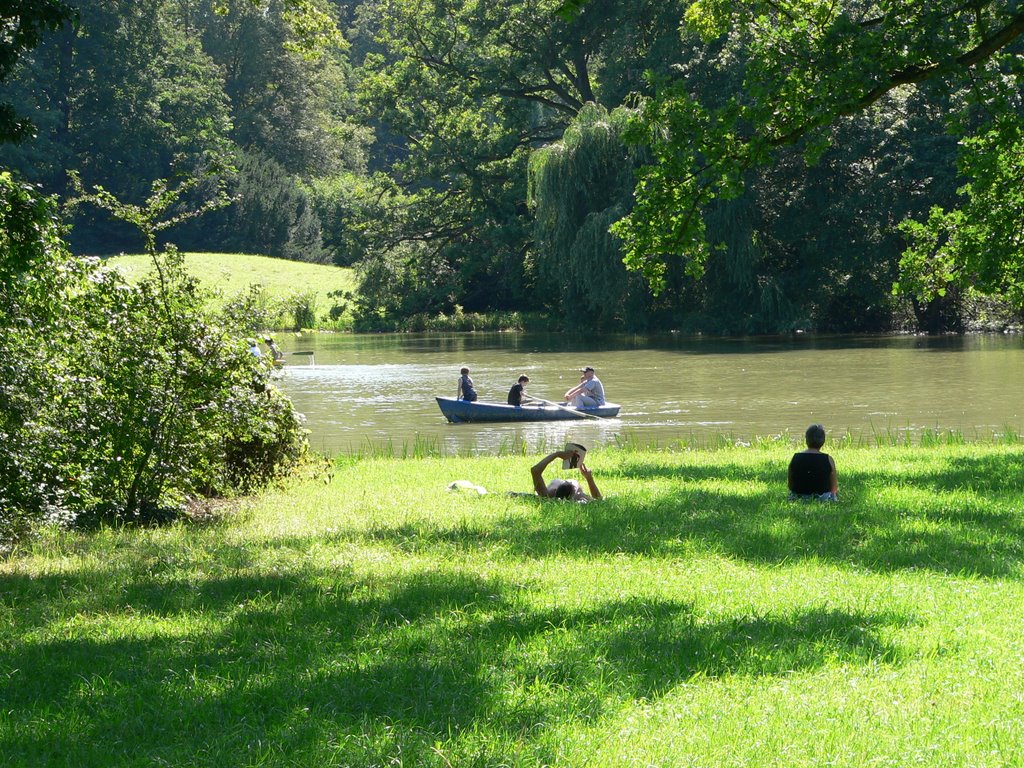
column 363, row 392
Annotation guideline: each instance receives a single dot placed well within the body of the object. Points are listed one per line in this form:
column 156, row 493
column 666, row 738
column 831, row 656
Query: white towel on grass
column 464, row 486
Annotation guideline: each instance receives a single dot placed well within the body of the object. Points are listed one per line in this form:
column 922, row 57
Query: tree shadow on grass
column 640, row 471
column 433, row 655
column 1000, row 474
column 762, row 528
column 987, row 474
column 961, row 516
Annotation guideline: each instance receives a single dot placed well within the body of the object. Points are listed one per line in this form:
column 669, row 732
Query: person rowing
column 517, row 394
column 275, row 351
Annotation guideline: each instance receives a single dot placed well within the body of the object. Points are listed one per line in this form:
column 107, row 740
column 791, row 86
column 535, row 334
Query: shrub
column 302, row 308
column 121, row 401
column 170, row 389
column 254, row 310
column 37, row 276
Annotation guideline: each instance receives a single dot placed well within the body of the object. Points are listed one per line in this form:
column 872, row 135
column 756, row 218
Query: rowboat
column 458, row 411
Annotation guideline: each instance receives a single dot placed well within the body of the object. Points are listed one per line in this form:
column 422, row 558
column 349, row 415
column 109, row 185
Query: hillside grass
column 693, row 618
column 283, row 281
column 234, row 273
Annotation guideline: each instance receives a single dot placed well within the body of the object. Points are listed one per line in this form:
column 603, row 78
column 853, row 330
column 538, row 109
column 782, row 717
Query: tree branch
column 912, row 75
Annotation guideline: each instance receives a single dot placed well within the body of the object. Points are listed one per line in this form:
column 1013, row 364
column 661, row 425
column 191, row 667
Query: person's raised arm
column 537, row 471
column 595, row 492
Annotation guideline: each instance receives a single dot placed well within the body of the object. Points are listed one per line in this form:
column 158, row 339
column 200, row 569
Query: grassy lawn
column 693, row 618
column 232, row 273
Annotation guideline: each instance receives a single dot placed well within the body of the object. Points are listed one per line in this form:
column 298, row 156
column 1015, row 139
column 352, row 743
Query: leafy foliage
column 400, row 282
column 449, row 150
column 979, row 243
column 473, row 88
column 138, row 91
column 807, row 64
column 271, row 213
column 23, row 24
column 121, row 400
column 292, row 99
column 359, row 214
column 578, row 188
column 36, row 278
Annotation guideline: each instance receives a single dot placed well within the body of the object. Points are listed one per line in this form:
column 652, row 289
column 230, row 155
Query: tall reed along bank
column 369, row 616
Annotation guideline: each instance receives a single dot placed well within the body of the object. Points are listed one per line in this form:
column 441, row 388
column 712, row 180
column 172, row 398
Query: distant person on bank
column 466, row 390
column 812, row 474
column 275, row 351
column 563, row 489
column 517, row 394
column 589, row 393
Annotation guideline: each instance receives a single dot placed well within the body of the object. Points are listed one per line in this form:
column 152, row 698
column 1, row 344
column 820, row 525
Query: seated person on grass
column 563, row 489
column 812, row 474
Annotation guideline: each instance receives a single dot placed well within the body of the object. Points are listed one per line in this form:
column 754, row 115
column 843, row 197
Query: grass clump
column 695, row 617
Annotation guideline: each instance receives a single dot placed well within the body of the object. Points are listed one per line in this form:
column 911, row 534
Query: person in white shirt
column 589, row 393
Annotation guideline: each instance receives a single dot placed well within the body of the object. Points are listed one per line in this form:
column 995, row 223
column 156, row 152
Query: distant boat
column 457, row 411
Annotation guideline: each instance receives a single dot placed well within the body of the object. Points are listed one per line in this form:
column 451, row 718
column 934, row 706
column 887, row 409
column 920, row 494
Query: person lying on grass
column 563, row 489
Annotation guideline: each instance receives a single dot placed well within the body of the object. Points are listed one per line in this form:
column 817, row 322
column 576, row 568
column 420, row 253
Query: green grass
column 694, row 618
column 233, row 273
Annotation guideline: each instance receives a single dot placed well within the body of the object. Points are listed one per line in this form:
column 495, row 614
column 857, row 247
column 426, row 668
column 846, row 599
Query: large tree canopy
column 809, row 63
column 22, row 24
column 411, row 148
column 471, row 88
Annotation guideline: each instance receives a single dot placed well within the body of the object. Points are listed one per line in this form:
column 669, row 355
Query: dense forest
column 640, row 165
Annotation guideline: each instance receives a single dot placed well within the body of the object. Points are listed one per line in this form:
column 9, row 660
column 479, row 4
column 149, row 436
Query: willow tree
column 472, row 88
column 578, row 187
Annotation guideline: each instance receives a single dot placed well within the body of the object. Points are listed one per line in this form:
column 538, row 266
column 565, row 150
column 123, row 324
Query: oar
column 570, row 410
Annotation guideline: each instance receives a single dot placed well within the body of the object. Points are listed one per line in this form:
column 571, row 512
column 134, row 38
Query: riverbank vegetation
column 694, row 617
column 279, row 294
column 787, row 176
column 122, row 401
column 294, row 295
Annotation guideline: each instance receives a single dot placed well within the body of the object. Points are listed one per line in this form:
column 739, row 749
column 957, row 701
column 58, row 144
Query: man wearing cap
column 589, row 393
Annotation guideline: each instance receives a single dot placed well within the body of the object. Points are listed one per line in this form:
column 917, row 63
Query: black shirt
column 810, row 473
column 515, row 395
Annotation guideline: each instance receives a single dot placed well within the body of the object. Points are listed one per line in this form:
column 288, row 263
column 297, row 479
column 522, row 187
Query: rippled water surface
column 362, row 391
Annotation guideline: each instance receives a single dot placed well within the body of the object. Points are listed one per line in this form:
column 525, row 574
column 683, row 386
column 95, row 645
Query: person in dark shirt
column 812, row 474
column 517, row 394
column 466, row 390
